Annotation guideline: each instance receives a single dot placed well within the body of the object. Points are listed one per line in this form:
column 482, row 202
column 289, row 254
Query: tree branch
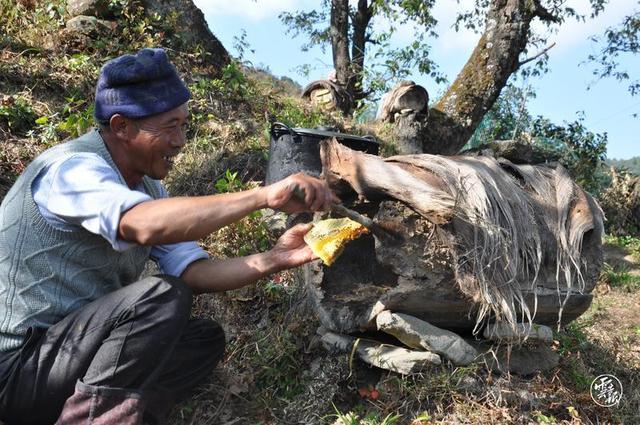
column 545, row 50
column 544, row 15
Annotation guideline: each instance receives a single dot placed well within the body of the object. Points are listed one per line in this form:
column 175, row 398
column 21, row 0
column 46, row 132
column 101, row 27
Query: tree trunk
column 358, row 43
column 454, row 118
column 340, row 40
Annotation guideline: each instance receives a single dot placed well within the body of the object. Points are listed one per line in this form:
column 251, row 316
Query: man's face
column 156, row 140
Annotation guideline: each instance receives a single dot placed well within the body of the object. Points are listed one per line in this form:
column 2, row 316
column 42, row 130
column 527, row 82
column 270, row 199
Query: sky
column 568, row 88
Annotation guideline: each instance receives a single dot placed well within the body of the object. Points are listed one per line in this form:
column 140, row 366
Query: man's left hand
column 291, row 250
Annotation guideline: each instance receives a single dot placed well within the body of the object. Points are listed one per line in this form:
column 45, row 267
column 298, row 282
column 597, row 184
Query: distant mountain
column 631, row 164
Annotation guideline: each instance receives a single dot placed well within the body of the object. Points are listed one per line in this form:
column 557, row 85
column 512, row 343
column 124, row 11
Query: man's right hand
column 282, row 196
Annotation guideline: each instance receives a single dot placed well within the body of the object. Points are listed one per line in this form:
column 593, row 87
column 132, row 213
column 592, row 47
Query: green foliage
column 137, row 29
column 277, row 362
column 554, row 12
column 233, row 86
column 241, row 45
column 632, row 243
column 576, row 374
column 17, row 114
column 571, row 339
column 75, row 119
column 372, row 418
column 229, row 183
column 581, row 151
column 80, row 63
column 621, row 40
column 620, row 278
column 293, row 114
column 544, row 419
column 383, row 63
column 78, row 117
column 632, row 165
column 31, row 26
column 234, row 79
column 508, row 119
column 248, row 235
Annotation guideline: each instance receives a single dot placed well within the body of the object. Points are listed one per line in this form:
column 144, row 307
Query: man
column 81, row 341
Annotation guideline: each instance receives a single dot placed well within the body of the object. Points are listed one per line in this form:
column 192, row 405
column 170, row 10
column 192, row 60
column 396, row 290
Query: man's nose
column 179, row 139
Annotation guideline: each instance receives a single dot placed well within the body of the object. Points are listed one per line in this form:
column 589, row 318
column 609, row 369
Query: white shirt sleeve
column 83, row 190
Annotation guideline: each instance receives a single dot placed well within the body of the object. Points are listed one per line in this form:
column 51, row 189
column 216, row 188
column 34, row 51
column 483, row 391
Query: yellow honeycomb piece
column 328, row 238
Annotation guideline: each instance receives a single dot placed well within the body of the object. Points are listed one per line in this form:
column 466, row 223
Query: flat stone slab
column 522, row 360
column 503, row 332
column 384, row 356
column 416, row 333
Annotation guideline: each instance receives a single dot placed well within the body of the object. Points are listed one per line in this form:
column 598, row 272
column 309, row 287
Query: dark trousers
column 137, row 341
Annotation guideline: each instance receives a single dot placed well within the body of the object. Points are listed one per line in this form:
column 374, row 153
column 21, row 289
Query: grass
column 620, row 278
column 372, row 418
column 631, row 243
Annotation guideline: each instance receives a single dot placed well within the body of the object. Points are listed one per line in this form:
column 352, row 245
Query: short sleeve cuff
column 173, row 259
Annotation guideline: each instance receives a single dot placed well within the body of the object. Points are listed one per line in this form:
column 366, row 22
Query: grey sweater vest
column 47, row 273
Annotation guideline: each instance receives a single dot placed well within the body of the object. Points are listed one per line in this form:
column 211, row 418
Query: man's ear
column 120, row 126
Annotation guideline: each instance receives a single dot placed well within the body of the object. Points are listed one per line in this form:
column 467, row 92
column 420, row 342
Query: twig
column 353, row 351
column 545, row 50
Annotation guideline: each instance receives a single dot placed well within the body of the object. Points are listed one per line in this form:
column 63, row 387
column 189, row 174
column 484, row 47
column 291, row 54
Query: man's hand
column 291, row 250
column 317, row 195
column 233, row 273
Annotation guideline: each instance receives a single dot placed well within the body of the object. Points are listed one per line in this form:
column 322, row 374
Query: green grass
column 620, row 278
column 631, row 243
column 17, row 114
column 371, row 418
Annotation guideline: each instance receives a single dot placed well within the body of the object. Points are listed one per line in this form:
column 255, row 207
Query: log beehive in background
column 406, row 97
column 327, row 95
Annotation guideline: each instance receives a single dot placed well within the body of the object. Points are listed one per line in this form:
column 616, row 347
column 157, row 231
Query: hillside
column 275, row 371
column 631, row 164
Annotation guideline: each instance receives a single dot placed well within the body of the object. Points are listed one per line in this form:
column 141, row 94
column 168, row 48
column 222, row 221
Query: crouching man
column 82, row 340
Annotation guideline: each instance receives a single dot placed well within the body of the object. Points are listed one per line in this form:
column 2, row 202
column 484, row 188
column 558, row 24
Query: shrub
column 17, row 115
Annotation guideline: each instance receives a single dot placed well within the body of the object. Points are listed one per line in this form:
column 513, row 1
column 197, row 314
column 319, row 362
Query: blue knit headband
column 138, row 86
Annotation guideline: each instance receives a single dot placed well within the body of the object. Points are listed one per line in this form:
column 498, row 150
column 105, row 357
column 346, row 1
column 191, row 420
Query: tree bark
column 454, row 118
column 340, row 40
column 361, row 21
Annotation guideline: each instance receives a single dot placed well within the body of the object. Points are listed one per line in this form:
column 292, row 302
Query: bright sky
column 561, row 93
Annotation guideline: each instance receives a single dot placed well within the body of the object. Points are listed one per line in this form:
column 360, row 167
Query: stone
column 521, row 360
column 503, row 332
column 416, row 333
column 89, row 25
column 384, row 356
column 97, row 8
column 470, row 385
